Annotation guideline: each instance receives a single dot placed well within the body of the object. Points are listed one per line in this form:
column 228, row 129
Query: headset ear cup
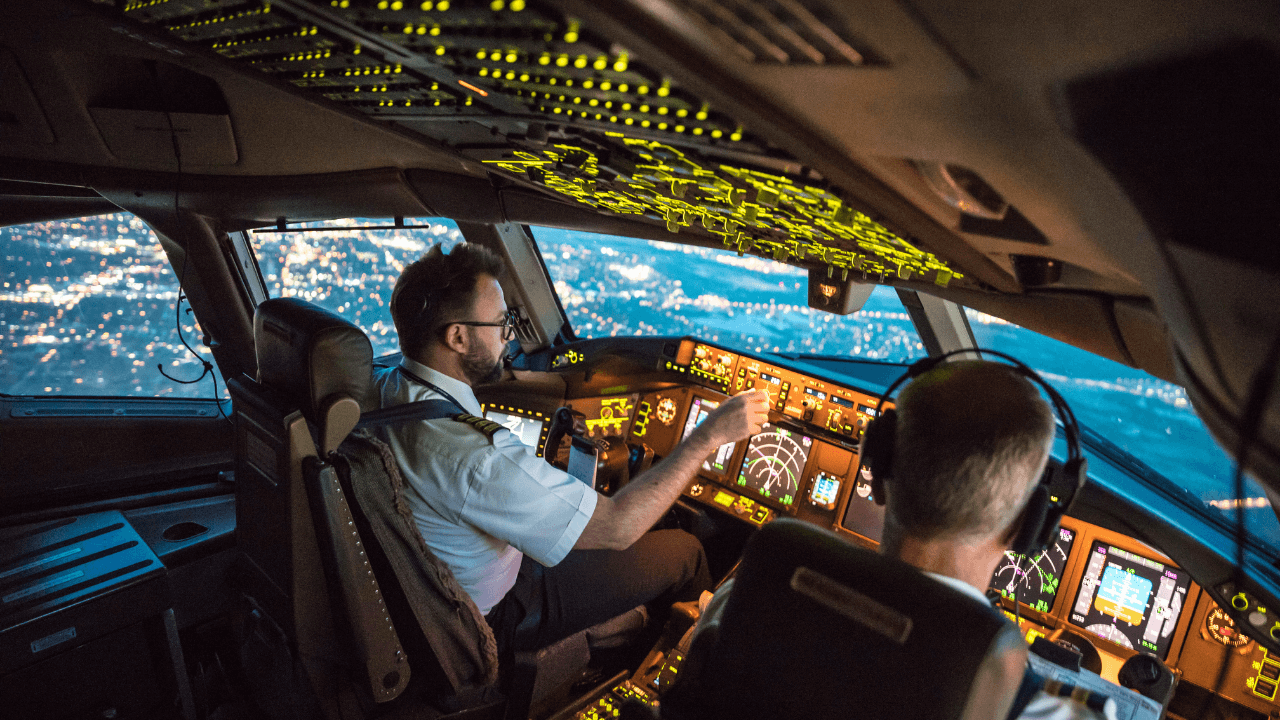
column 877, row 445
column 1031, row 534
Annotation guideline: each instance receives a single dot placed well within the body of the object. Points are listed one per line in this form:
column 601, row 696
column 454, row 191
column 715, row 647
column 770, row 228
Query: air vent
column 784, row 32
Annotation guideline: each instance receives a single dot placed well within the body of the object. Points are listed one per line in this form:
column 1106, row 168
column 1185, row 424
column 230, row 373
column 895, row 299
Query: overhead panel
column 547, row 101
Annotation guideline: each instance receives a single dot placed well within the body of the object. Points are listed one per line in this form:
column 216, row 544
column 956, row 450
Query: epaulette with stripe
column 488, row 427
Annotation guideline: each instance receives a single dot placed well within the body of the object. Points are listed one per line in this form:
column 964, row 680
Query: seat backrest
column 307, row 566
column 816, row 628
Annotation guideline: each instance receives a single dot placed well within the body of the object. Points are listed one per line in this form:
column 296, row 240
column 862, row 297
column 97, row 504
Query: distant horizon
column 87, row 308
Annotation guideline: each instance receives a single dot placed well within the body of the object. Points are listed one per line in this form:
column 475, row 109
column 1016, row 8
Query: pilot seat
column 816, row 628
column 346, row 611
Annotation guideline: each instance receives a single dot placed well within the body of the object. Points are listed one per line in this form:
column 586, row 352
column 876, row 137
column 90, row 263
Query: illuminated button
column 761, row 515
column 1265, row 688
column 1270, row 671
column 1275, row 631
column 1240, row 601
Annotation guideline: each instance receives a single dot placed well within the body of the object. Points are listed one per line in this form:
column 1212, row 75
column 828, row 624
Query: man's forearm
column 620, row 520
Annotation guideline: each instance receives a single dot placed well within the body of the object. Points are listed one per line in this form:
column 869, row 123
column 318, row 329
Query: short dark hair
column 971, row 441
column 437, row 288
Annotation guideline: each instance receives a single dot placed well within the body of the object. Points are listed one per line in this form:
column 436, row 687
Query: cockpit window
column 612, row 286
column 350, row 266
column 87, row 307
column 1144, row 415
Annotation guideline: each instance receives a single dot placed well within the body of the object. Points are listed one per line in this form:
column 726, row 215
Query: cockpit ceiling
column 550, row 102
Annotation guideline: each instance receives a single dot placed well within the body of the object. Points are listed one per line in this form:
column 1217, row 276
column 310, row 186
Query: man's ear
column 455, row 338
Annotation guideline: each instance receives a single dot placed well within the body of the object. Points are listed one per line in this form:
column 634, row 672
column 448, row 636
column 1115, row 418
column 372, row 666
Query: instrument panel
column 1121, row 595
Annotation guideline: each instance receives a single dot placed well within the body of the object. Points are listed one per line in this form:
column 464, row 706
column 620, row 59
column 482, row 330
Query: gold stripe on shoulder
column 488, row 427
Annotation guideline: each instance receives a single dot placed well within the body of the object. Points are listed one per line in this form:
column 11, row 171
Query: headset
column 1052, row 496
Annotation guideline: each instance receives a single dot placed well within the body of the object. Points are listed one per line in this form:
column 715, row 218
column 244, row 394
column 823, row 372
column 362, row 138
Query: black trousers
column 588, row 587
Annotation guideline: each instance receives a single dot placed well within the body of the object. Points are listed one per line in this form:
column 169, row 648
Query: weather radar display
column 1034, row 581
column 775, row 462
column 1129, row 599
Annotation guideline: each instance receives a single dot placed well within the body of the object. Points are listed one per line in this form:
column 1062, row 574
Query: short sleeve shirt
column 480, row 503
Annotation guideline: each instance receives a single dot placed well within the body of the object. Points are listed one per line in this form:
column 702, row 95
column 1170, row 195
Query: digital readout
column 826, row 488
column 867, row 410
column 815, row 393
column 773, row 379
column 842, row 402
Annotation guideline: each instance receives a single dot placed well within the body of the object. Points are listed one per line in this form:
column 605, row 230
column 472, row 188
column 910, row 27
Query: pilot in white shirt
column 542, row 554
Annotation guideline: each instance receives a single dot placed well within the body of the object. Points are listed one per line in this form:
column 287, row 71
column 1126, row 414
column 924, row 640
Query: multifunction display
column 717, row 463
column 826, row 490
column 775, row 463
column 1129, row 599
column 1034, row 581
column 862, row 515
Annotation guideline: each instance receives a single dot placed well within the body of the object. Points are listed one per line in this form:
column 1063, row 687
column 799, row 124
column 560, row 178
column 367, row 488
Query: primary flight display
column 1129, row 599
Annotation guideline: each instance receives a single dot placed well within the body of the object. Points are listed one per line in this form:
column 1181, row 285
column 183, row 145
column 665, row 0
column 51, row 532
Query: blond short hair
column 972, row 439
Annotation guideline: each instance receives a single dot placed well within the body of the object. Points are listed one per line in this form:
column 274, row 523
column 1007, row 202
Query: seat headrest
column 312, row 356
column 817, row 628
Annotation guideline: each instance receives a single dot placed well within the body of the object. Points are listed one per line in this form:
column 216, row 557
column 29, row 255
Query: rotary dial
column 666, row 411
column 1222, row 629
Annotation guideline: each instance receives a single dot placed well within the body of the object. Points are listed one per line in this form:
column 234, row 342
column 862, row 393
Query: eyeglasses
column 508, row 324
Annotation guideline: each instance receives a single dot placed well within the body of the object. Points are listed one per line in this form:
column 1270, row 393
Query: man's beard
column 481, row 370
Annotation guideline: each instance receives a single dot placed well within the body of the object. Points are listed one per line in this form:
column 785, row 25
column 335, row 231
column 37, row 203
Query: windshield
column 612, row 286
column 1142, row 414
column 350, row 271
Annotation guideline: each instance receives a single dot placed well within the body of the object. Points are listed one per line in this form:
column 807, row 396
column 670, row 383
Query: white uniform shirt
column 479, row 503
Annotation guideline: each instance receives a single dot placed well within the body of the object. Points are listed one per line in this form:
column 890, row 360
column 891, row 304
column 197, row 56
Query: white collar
column 960, row 585
column 460, row 391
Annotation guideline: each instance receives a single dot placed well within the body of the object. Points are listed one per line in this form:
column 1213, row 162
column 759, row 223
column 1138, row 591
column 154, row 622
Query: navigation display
column 1129, row 599
column 862, row 515
column 717, row 463
column 775, row 462
column 527, row 429
column 1034, row 581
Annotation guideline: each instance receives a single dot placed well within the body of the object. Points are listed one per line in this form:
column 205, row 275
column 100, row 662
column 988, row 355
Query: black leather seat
column 818, row 628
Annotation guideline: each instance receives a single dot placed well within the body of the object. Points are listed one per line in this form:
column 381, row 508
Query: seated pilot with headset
column 959, row 467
